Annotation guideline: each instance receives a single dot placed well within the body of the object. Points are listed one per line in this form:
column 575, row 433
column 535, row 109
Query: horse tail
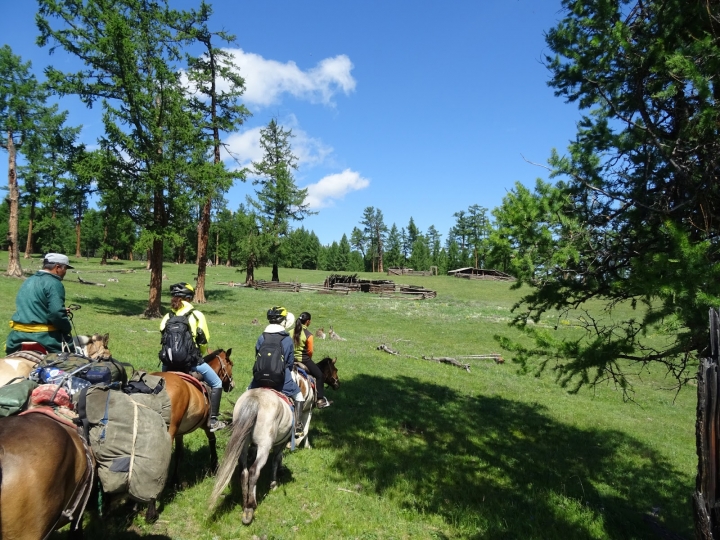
column 241, row 430
column 2, row 454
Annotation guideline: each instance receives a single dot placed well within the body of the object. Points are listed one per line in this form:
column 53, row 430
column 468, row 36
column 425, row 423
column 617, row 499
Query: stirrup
column 324, row 403
column 217, row 425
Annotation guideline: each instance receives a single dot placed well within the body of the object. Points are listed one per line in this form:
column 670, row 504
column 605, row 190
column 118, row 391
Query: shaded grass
column 410, row 448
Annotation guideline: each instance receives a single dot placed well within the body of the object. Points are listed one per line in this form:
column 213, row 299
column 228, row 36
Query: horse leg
column 276, row 463
column 307, row 430
column 254, row 474
column 151, row 515
column 179, row 453
column 212, row 443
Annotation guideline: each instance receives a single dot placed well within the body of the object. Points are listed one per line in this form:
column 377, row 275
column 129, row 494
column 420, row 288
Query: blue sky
column 418, row 108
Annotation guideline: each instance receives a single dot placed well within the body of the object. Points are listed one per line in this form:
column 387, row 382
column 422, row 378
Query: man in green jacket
column 40, row 314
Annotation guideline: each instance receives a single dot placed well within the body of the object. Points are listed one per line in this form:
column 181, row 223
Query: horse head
column 220, row 362
column 330, row 372
column 94, row 346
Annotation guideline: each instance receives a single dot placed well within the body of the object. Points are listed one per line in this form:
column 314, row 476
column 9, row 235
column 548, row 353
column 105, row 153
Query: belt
column 31, row 328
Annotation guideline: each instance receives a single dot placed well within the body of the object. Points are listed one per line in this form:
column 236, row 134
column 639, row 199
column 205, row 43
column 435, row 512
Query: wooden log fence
column 388, row 290
column 706, row 499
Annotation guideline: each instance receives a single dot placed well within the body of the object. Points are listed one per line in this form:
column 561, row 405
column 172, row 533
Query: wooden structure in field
column 480, row 273
column 346, row 284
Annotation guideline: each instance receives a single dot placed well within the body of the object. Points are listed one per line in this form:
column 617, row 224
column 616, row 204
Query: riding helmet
column 276, row 315
column 183, row 290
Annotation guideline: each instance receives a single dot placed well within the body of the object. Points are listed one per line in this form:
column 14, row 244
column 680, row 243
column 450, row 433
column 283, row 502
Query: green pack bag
column 129, row 439
column 14, row 397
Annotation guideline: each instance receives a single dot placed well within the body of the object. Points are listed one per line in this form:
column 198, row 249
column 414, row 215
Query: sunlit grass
column 411, row 448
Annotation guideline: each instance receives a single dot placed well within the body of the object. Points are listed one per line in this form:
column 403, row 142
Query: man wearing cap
column 40, row 313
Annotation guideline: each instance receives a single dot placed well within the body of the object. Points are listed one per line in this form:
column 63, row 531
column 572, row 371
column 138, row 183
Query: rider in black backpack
column 273, row 344
column 185, row 336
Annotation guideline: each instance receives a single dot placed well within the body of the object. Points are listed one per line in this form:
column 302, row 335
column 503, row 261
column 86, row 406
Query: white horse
column 329, row 371
column 20, row 364
column 264, row 418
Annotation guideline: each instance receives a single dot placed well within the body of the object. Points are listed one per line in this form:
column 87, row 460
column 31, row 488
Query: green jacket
column 41, row 300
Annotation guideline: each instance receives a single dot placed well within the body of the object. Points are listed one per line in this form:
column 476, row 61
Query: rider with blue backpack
column 184, row 342
column 275, row 356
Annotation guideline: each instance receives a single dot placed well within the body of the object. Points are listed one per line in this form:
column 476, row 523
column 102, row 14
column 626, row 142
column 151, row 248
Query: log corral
column 346, row 284
column 481, row 273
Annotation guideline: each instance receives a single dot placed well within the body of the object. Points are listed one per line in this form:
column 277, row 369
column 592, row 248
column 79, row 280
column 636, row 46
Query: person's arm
column 201, row 323
column 289, row 352
column 309, row 345
column 164, row 321
column 57, row 313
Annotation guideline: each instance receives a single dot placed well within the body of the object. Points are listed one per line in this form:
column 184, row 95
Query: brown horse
column 330, row 374
column 190, row 405
column 18, row 365
column 45, row 476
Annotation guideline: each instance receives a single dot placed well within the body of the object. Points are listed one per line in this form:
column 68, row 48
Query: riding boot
column 298, row 423
column 213, row 423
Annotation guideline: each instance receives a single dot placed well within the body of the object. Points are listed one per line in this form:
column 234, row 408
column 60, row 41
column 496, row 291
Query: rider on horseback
column 280, row 320
column 41, row 315
column 303, row 340
column 180, row 306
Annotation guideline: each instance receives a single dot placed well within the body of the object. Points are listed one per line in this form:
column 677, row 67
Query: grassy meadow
column 410, row 448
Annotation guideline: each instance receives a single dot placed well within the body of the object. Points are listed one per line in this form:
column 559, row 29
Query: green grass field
column 411, row 448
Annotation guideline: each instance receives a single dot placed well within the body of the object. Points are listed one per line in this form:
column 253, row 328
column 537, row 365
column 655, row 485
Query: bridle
column 223, row 371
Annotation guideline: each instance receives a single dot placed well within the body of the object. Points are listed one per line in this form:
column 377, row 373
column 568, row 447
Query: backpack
column 178, row 349
column 269, row 368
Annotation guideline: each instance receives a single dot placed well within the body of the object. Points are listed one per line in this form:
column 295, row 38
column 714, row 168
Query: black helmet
column 183, row 290
column 276, row 315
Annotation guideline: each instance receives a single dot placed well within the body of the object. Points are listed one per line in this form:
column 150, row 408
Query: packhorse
column 191, row 405
column 264, row 418
column 330, row 374
column 18, row 365
column 46, row 473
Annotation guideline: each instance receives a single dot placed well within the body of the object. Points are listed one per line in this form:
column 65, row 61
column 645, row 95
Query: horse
column 330, row 375
column 262, row 417
column 18, row 365
column 46, row 473
column 190, row 406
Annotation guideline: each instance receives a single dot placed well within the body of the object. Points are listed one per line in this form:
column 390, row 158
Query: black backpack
column 269, row 368
column 178, row 349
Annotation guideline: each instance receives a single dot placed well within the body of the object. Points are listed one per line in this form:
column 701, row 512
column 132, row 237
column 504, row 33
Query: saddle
column 195, row 381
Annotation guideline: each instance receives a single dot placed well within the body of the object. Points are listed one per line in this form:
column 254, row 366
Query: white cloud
column 266, row 80
column 334, row 187
column 245, row 146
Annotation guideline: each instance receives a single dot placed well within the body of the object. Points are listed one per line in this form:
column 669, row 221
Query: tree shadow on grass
column 496, row 468
column 115, row 305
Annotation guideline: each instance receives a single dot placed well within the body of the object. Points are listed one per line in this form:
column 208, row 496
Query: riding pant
column 208, row 374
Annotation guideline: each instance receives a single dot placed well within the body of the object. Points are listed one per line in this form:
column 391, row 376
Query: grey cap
column 57, row 258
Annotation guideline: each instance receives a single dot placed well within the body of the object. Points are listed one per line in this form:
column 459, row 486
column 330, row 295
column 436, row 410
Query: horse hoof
column 247, row 516
column 273, row 485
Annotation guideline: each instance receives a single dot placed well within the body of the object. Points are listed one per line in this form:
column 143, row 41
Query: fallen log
column 448, row 360
column 493, row 356
column 387, row 349
column 81, row 280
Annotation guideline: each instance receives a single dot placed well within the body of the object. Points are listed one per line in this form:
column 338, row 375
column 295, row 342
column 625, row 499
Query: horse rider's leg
column 216, row 391
column 276, row 463
column 316, row 372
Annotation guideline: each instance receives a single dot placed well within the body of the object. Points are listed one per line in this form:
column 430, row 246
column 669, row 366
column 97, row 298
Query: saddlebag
column 14, row 397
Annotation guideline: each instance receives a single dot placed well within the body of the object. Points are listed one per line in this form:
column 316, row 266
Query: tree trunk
column 275, row 275
column 13, row 268
column 77, row 240
column 29, row 243
column 153, row 309
column 217, row 247
column 103, row 261
column 250, row 270
column 203, row 234
column 181, row 256
column 148, row 256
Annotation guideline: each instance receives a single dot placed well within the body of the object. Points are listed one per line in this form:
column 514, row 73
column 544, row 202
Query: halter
column 223, row 372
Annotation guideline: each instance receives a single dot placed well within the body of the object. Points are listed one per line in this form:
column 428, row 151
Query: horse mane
column 213, row 355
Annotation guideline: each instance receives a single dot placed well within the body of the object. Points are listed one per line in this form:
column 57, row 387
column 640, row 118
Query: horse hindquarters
column 42, row 464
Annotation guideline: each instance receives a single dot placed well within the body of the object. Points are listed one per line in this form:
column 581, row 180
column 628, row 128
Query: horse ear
column 228, row 352
column 106, row 339
column 334, row 359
